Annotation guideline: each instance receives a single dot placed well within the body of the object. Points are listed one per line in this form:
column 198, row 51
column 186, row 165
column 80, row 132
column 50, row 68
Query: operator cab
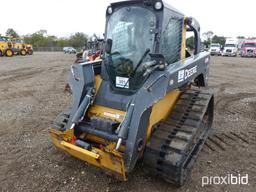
column 4, row 39
column 139, row 33
column 18, row 41
column 131, row 30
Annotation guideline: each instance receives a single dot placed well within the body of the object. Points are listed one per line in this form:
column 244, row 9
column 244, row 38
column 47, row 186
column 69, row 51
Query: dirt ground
column 31, row 96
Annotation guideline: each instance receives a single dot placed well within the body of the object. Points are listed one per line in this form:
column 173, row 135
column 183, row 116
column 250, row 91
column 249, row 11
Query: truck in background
column 230, row 47
column 215, row 49
column 248, row 48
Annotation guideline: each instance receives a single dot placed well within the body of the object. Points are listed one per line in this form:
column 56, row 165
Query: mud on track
column 31, row 95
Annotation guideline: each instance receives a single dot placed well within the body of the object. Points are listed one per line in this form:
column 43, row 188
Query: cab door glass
column 172, row 40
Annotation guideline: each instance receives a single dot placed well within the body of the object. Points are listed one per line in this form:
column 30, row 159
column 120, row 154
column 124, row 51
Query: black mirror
column 108, row 46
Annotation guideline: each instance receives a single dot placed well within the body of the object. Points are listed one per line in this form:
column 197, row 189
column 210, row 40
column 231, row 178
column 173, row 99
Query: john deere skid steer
column 147, row 100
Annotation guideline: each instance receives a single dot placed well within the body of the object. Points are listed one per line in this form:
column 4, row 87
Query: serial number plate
column 122, row 82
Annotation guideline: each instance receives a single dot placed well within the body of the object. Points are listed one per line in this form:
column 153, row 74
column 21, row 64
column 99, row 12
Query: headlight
column 110, row 10
column 158, row 5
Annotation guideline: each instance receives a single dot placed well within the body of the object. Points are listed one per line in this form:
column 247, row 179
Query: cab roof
column 130, row 2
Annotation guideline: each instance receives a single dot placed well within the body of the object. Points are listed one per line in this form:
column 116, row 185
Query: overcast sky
column 64, row 17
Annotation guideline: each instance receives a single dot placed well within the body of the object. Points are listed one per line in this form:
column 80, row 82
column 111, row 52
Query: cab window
column 171, row 40
column 190, row 43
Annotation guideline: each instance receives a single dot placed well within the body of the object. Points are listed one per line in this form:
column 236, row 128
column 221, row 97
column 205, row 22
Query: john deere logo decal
column 186, row 73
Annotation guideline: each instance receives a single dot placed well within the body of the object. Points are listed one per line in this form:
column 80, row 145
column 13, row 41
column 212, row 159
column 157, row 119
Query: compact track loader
column 146, row 101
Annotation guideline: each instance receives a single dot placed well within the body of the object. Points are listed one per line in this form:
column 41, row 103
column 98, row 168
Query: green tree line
column 42, row 39
column 209, row 38
column 215, row 39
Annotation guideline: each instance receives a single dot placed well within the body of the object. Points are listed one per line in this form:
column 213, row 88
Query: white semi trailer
column 230, row 48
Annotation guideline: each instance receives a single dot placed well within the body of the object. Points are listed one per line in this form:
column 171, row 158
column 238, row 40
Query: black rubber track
column 176, row 142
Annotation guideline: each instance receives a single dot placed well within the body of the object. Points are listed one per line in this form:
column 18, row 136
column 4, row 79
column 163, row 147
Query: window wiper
column 137, row 66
